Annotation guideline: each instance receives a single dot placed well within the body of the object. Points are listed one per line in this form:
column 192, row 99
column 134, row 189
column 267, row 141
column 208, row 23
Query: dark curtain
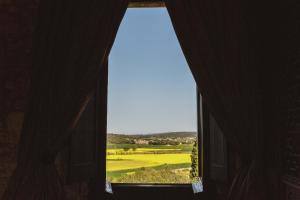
column 72, row 40
column 219, row 41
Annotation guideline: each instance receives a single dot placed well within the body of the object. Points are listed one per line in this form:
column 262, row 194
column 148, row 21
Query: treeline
column 120, row 139
column 166, row 142
column 130, row 152
column 170, row 138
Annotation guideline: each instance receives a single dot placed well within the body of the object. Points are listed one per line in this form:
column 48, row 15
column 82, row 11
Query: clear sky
column 150, row 88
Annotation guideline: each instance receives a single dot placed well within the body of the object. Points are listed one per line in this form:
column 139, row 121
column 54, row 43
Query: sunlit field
column 128, row 163
column 133, row 161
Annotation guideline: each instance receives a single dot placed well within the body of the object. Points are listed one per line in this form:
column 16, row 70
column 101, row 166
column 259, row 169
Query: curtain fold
column 72, row 40
column 219, row 41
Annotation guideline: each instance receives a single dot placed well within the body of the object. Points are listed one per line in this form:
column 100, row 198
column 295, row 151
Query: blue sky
column 150, row 88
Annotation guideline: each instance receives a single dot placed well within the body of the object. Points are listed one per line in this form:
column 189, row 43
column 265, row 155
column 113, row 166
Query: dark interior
column 244, row 57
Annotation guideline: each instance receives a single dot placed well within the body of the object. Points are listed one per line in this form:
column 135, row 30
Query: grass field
column 128, row 163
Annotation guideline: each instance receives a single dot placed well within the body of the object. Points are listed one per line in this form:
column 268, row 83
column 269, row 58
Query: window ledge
column 155, row 191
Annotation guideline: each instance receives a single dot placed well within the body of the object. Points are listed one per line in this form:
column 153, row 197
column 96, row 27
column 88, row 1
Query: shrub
column 194, row 158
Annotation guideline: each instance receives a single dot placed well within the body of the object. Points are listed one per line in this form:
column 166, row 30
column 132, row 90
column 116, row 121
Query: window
column 87, row 150
column 152, row 104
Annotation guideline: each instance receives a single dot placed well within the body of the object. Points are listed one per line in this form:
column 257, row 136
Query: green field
column 143, row 163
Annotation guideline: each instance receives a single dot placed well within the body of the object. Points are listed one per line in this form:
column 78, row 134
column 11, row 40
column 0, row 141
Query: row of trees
column 194, row 172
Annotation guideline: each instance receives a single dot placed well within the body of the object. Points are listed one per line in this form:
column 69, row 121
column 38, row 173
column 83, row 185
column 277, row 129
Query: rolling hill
column 130, row 139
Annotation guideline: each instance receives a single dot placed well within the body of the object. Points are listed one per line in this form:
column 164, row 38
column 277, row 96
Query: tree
column 194, row 158
column 126, row 149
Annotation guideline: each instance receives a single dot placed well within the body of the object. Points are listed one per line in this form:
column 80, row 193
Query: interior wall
column 281, row 93
column 290, row 51
column 17, row 18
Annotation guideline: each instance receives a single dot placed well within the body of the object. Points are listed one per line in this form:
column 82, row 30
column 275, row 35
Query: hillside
column 172, row 134
column 153, row 138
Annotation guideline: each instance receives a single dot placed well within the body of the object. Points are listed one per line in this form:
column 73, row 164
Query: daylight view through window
column 152, row 106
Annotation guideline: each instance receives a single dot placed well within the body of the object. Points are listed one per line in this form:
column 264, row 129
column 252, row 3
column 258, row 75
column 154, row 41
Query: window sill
column 155, row 191
column 156, row 185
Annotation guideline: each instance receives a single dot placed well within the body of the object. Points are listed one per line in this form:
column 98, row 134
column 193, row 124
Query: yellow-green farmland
column 134, row 161
column 128, row 163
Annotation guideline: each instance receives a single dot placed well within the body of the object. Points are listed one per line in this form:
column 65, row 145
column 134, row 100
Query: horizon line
column 119, row 133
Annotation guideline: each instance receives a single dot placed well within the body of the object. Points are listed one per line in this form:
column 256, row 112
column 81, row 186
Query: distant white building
column 140, row 141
